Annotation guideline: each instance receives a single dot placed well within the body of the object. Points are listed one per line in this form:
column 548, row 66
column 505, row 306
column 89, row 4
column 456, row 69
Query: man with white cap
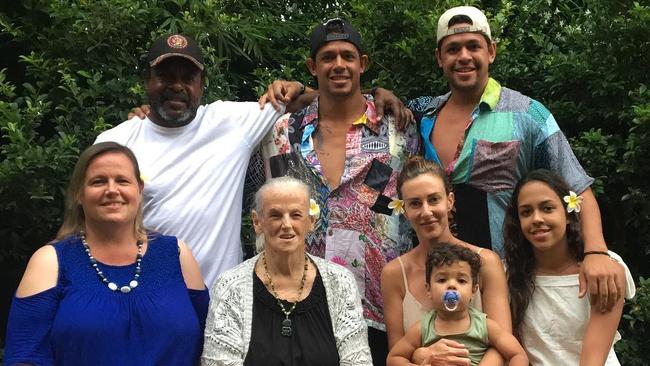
column 487, row 137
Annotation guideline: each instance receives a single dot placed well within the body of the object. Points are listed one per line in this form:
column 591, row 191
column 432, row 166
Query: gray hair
column 288, row 183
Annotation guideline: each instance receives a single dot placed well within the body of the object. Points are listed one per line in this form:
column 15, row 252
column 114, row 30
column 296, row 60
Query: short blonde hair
column 74, row 219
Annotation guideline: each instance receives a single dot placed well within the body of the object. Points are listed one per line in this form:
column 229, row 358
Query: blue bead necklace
column 112, row 285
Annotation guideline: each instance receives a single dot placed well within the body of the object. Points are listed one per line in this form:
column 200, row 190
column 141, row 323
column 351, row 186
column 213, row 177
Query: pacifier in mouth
column 450, row 300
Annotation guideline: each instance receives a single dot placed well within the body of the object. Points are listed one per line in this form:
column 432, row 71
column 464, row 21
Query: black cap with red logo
column 175, row 45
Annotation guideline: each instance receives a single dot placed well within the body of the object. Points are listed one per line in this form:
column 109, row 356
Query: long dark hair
column 520, row 259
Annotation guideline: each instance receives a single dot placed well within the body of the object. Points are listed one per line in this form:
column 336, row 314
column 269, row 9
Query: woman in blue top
column 106, row 291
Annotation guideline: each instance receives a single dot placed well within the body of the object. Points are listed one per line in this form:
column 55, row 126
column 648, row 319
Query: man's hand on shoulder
column 141, row 112
column 604, row 279
column 385, row 100
column 281, row 91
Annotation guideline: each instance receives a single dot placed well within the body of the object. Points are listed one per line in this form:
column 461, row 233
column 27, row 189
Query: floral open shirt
column 355, row 228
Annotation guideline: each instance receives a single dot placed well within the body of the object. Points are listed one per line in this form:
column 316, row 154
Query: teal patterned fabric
column 509, row 134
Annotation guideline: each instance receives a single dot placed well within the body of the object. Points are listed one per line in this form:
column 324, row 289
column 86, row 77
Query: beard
column 172, row 118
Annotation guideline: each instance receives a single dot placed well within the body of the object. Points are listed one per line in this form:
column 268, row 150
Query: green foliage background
column 71, row 69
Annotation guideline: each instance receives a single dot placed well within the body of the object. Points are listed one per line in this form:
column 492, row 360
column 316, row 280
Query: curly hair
column 446, row 254
column 519, row 256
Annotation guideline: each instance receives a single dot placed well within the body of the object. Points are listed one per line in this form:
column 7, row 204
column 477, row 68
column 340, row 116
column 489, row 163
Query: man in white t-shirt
column 193, row 157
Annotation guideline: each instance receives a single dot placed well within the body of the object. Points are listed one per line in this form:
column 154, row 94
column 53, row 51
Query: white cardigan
column 228, row 326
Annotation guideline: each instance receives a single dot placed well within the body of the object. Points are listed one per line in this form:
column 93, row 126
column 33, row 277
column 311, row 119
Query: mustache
column 182, row 96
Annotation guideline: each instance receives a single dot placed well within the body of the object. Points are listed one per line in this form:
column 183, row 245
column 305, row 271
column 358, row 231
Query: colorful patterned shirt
column 355, row 228
column 508, row 135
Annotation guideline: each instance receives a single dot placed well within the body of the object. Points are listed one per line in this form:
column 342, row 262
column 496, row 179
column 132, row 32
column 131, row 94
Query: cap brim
column 161, row 58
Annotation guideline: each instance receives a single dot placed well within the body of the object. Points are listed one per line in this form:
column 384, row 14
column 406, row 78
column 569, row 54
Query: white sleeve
column 120, row 133
column 630, row 286
column 351, row 330
column 223, row 327
column 252, row 122
column 103, row 137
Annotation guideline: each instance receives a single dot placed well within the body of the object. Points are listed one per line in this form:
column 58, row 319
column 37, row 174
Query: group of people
column 369, row 253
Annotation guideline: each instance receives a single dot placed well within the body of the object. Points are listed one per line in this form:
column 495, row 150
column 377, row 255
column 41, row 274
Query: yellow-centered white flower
column 573, row 202
column 314, row 209
column 397, row 206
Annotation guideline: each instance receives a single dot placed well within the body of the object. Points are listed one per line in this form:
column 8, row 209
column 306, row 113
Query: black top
column 312, row 340
column 471, row 215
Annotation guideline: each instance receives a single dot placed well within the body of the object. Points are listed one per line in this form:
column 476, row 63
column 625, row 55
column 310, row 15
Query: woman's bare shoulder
column 392, row 267
column 487, row 255
column 41, row 274
column 391, row 276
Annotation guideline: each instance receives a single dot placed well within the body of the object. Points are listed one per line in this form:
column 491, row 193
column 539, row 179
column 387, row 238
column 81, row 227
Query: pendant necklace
column 286, row 330
column 112, row 285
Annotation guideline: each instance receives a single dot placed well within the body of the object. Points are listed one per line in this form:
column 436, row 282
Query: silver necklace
column 286, row 323
column 112, row 285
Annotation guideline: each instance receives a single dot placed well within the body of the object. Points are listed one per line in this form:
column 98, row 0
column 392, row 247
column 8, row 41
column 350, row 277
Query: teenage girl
column 543, row 252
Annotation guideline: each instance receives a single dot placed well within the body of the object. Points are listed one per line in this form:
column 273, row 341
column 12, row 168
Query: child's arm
column 506, row 344
column 600, row 333
column 400, row 354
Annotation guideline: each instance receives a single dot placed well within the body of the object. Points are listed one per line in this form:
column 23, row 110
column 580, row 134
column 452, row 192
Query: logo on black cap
column 175, row 45
column 177, row 41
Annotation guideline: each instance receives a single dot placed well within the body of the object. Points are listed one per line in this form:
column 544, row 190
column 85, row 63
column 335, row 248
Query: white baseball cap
column 479, row 22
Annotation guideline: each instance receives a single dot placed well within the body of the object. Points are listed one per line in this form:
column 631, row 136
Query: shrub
column 633, row 349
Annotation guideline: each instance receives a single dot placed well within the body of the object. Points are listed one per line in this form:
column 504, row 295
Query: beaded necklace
column 112, row 285
column 286, row 330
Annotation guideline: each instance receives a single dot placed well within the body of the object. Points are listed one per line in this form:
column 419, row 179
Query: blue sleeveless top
column 81, row 321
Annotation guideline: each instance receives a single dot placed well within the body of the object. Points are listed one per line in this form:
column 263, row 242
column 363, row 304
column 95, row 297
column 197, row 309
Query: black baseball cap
column 336, row 29
column 175, row 45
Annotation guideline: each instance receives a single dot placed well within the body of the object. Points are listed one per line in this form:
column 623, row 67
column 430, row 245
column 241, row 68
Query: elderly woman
column 107, row 292
column 285, row 307
column 427, row 200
